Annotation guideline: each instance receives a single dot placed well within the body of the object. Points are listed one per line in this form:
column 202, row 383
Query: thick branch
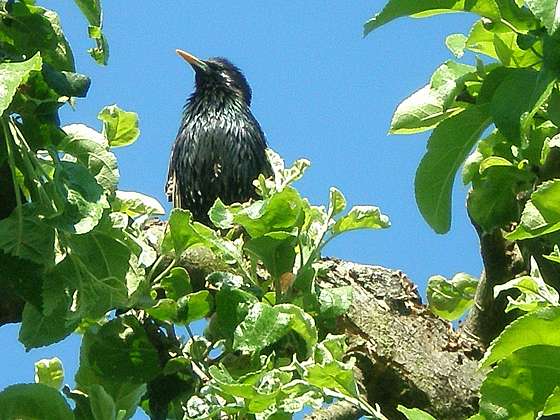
column 502, row 261
column 405, row 354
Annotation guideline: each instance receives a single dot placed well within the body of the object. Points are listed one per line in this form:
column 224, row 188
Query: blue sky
column 320, row 91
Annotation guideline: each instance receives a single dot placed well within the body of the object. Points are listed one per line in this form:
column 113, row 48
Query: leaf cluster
column 498, row 119
column 87, row 258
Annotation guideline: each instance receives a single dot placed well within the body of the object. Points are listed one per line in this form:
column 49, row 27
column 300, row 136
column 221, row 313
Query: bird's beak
column 196, row 63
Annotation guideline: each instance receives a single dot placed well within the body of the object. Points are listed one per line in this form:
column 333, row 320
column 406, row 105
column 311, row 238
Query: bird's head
column 218, row 74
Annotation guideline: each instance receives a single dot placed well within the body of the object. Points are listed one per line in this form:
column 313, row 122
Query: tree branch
column 405, row 354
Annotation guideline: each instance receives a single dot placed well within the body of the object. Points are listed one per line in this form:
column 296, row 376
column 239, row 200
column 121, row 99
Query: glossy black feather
column 220, row 147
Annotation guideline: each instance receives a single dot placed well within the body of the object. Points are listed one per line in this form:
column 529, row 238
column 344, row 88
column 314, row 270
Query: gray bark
column 405, row 355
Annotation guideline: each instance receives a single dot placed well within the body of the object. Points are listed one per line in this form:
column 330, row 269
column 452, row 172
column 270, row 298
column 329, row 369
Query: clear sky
column 320, row 91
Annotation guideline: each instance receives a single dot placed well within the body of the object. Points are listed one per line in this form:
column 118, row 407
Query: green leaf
column 361, row 217
column 177, row 365
column 481, row 41
column 316, row 225
column 552, row 404
column 494, row 161
column 540, row 216
column 12, row 75
column 510, row 54
column 84, row 197
column 121, row 350
column 284, row 176
column 66, row 83
column 533, row 224
column 534, row 328
column 177, row 283
column 181, row 233
column 302, row 323
column 492, row 202
column 125, row 395
column 276, row 250
column 399, row 8
column 554, row 255
column 546, row 199
column 547, row 12
column 337, row 202
column 456, row 43
column 27, row 237
column 553, row 109
column 535, row 293
column 164, row 310
column 91, row 149
column 448, row 148
column 29, row 29
column 419, row 112
column 119, row 127
column 100, row 52
column 97, row 270
column 226, row 383
column 232, row 306
column 49, row 372
column 333, row 375
column 334, row 301
column 511, row 100
column 414, row 413
column 521, row 383
column 221, row 215
column 283, row 211
column 450, row 299
column 297, row 395
column 259, row 390
column 38, row 330
column 92, row 11
column 449, row 79
column 102, row 405
column 263, row 326
column 33, row 401
column 333, row 347
column 432, row 104
column 196, row 305
column 540, row 94
column 135, row 204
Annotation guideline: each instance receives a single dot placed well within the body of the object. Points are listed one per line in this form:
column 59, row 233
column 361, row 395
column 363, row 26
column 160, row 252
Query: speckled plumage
column 220, row 147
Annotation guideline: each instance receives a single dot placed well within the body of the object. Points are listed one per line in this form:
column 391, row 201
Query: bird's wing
column 171, row 188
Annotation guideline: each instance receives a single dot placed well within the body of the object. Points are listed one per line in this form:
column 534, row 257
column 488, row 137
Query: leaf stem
column 167, row 270
column 32, row 166
column 17, row 191
column 155, row 265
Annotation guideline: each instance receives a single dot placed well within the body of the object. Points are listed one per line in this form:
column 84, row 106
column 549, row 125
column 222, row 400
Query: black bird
column 220, row 147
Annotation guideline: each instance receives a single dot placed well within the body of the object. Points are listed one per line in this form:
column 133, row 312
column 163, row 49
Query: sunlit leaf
column 532, row 329
column 450, row 299
column 119, row 127
column 361, row 217
column 415, row 413
column 121, row 350
column 33, row 401
column 49, row 372
column 448, row 147
column 399, row 8
column 521, row 383
column 12, row 75
column 136, row 204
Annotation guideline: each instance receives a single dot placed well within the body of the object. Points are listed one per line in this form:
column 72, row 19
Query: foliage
column 86, row 258
column 499, row 119
column 450, row 299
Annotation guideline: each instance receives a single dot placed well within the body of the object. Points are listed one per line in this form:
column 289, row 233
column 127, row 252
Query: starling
column 220, row 147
